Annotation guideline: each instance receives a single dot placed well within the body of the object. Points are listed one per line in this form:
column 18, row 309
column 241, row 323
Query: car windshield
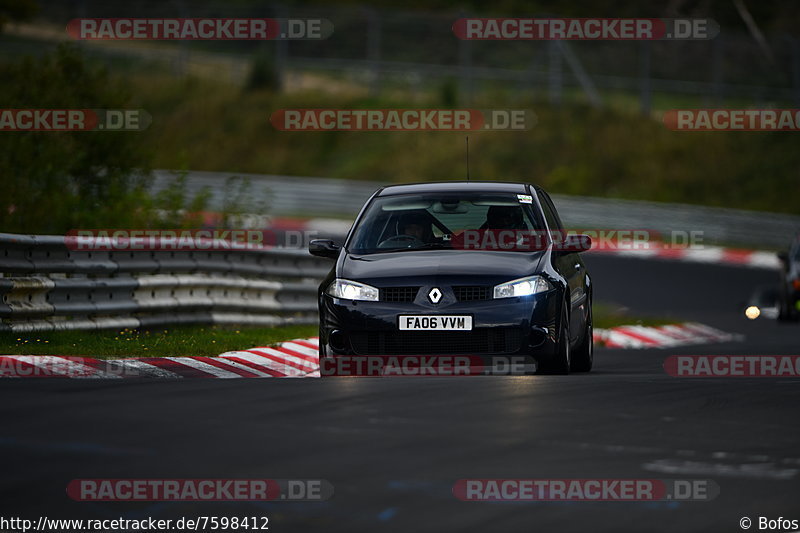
column 443, row 221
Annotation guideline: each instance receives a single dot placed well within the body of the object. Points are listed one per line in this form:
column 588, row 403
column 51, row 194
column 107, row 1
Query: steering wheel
column 400, row 241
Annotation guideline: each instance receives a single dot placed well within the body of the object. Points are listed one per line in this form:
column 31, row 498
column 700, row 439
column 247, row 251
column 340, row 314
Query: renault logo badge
column 435, row 295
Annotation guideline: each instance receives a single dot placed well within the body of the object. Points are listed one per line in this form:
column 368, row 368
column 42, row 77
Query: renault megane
column 473, row 268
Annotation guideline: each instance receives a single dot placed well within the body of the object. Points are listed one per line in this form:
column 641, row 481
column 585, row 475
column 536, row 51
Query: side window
column 549, row 212
column 555, row 212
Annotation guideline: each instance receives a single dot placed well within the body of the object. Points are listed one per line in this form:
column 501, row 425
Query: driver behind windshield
column 416, row 225
column 501, row 217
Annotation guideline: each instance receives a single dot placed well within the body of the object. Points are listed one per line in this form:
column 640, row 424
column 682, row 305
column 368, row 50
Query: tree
column 56, row 181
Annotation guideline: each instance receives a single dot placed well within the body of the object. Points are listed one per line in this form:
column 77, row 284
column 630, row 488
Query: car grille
column 477, row 341
column 399, row 294
column 472, row 293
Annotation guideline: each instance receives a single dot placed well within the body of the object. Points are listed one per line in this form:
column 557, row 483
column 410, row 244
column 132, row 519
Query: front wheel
column 786, row 312
column 322, row 352
column 583, row 356
column 561, row 360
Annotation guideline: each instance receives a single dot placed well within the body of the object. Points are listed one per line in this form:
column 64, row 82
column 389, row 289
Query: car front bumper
column 522, row 326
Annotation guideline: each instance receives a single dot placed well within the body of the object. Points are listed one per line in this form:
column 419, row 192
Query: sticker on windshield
column 525, row 198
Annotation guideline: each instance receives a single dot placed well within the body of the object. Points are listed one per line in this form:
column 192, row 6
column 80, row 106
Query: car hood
column 430, row 266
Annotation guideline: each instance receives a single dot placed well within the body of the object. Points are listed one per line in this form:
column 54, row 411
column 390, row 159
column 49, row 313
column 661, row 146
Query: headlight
column 352, row 290
column 752, row 312
column 522, row 287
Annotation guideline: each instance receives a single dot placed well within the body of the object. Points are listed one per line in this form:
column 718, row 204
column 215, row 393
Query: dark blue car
column 459, row 268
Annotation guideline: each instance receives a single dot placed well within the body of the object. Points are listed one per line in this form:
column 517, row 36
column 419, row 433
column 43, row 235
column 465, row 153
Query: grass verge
column 172, row 341
column 610, row 316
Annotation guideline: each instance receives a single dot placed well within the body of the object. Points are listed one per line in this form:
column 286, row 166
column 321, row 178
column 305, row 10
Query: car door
column 571, row 267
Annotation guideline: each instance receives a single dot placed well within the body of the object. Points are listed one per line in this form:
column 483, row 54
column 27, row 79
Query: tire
column 785, row 311
column 322, row 357
column 322, row 352
column 561, row 360
column 583, row 355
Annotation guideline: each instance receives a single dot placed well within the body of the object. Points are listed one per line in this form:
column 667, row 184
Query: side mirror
column 324, row 248
column 573, row 243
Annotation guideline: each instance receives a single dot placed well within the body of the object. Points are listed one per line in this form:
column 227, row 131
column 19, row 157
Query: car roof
column 454, row 186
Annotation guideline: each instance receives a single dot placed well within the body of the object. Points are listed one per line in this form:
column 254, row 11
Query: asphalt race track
column 393, row 448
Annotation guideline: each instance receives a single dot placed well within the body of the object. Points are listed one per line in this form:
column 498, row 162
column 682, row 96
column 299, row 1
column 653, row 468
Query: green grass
column 171, row 341
column 606, row 316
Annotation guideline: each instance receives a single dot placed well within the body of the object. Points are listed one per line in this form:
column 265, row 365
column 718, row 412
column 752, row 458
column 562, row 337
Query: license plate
column 435, row 322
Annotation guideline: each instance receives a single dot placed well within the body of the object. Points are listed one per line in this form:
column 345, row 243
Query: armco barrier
column 292, row 195
column 47, row 286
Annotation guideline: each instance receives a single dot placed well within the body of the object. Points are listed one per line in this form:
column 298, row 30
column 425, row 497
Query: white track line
column 240, row 366
column 663, row 336
column 679, row 333
column 205, row 367
column 265, row 362
column 620, row 339
column 299, row 348
column 307, row 366
column 653, row 334
column 709, row 332
column 147, row 369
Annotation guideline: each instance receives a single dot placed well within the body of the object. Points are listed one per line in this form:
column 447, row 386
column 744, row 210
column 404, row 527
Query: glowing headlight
column 522, row 287
column 752, row 312
column 352, row 290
